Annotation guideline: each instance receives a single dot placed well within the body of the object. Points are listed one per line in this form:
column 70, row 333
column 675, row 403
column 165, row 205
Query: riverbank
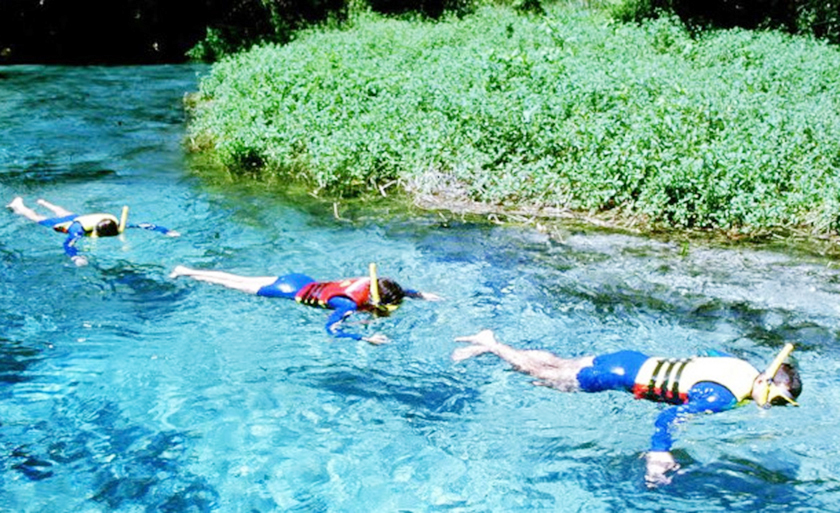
column 640, row 127
column 448, row 208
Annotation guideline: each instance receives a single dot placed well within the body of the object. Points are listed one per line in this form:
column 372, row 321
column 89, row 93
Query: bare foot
column 179, row 270
column 15, row 203
column 484, row 338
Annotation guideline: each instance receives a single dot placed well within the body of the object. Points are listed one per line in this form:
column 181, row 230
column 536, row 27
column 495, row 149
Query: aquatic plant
column 732, row 130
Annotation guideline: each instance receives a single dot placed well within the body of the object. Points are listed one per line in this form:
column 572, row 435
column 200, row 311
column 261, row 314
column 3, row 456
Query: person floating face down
column 78, row 226
column 379, row 296
column 692, row 385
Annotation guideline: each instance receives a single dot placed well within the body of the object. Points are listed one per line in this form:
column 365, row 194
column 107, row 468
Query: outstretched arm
column 155, row 228
column 428, row 296
column 704, row 397
column 343, row 308
column 74, row 233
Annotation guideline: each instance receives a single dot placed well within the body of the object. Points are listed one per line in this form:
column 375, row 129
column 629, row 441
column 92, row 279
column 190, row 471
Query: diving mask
column 771, row 389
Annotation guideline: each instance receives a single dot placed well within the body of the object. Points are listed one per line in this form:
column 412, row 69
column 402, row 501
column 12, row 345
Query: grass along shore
column 571, row 112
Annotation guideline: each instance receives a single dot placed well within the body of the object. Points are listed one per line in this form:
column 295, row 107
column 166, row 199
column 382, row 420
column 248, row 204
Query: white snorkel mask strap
column 123, row 219
column 771, row 391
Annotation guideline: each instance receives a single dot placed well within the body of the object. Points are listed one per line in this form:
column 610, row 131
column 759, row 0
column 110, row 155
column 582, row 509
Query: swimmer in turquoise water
column 379, row 296
column 693, row 385
column 76, row 226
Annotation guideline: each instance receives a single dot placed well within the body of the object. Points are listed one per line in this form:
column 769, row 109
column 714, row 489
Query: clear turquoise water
column 123, row 390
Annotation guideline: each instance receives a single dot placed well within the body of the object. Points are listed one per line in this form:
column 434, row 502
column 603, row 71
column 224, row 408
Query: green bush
column 734, row 130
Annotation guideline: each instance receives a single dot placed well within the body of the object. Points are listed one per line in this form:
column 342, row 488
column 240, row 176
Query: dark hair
column 107, row 228
column 787, row 377
column 390, row 292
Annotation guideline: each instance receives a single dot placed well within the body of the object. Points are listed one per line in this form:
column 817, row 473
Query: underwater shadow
column 144, row 287
column 40, row 173
column 15, row 359
column 427, row 398
column 618, row 478
column 126, row 465
column 739, row 484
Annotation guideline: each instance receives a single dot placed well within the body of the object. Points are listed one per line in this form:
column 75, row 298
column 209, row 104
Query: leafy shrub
column 733, row 130
column 636, row 11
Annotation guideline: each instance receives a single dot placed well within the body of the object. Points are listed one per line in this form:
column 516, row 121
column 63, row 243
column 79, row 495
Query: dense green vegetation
column 731, row 130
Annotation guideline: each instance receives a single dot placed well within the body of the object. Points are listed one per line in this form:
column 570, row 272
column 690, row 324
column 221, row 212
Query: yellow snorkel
column 772, row 391
column 375, row 298
column 123, row 219
column 374, row 286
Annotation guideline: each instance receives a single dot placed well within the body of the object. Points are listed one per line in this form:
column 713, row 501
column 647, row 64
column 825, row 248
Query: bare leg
column 250, row 284
column 19, row 208
column 553, row 371
column 58, row 211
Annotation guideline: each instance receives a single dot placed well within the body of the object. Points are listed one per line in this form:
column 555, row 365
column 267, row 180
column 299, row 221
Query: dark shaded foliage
column 143, row 31
column 431, row 8
column 155, row 31
column 820, row 18
column 99, row 31
column 741, row 13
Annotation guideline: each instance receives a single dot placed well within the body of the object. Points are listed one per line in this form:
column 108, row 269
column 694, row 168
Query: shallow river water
column 124, row 390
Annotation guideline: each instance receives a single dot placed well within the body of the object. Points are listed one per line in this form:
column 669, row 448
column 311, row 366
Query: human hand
column 428, row 296
column 376, row 339
column 659, row 463
column 173, row 233
column 79, row 260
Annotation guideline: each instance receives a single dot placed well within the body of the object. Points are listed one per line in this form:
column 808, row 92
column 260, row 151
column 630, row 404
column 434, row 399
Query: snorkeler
column 76, row 227
column 693, row 385
column 380, row 296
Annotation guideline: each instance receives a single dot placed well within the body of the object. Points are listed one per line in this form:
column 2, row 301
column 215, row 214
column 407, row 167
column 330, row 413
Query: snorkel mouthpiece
column 772, row 390
column 123, row 219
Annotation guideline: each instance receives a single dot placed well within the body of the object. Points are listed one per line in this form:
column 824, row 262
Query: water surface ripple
column 123, row 390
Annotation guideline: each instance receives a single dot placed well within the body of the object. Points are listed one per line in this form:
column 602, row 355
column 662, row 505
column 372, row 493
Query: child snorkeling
column 78, row 226
column 380, row 296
